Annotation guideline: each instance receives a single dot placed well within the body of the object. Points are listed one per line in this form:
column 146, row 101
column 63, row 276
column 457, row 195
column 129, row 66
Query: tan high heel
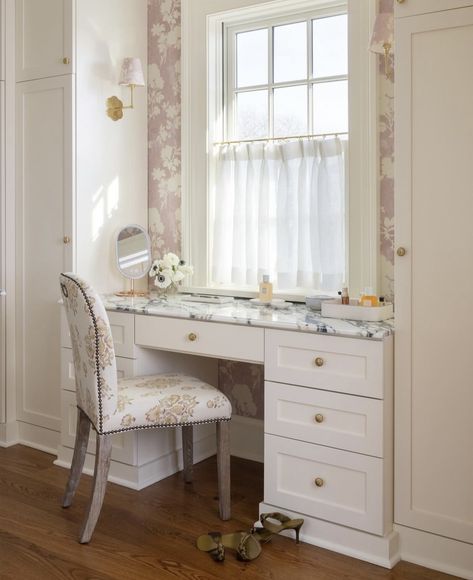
column 245, row 544
column 270, row 528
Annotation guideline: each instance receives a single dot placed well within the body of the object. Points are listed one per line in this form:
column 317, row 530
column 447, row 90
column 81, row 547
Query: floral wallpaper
column 243, row 383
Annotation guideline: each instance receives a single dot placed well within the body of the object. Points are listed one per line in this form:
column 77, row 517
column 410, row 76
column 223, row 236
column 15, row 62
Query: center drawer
column 229, row 341
column 331, row 419
column 338, row 486
column 346, row 365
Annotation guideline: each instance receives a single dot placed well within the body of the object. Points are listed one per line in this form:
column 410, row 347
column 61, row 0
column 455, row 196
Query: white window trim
column 201, row 36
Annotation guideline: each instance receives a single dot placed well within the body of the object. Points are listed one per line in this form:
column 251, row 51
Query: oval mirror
column 133, row 252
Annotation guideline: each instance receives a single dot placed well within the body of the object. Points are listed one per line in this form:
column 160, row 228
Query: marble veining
column 240, row 311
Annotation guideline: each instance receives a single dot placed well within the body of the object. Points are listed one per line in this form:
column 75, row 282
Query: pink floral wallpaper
column 243, row 383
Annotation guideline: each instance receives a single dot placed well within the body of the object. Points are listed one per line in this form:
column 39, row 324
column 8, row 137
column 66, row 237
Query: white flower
column 163, row 280
column 172, row 259
column 178, row 276
column 186, row 270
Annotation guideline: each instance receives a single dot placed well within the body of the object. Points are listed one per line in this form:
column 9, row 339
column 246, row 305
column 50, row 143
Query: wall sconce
column 382, row 39
column 131, row 76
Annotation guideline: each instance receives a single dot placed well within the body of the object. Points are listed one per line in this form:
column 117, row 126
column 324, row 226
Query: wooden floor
column 150, row 534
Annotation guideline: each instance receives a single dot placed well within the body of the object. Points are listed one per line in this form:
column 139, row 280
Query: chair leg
column 223, row 466
column 102, row 465
column 188, row 452
column 80, row 449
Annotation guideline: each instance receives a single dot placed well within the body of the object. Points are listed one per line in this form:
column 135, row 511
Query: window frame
column 203, row 84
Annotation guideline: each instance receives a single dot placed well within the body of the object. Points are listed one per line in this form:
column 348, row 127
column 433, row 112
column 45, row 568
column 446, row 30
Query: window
column 272, row 189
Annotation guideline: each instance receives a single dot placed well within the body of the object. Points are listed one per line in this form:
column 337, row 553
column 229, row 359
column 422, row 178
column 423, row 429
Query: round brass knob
column 400, row 1
column 319, row 361
column 319, row 418
column 192, row 336
column 319, row 482
column 66, row 240
column 66, row 60
column 401, row 252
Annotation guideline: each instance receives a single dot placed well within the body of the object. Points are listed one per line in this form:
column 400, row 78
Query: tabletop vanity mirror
column 133, row 248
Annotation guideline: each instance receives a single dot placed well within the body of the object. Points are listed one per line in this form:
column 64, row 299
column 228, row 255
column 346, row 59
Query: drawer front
column 123, row 444
column 202, row 338
column 123, row 332
column 350, row 491
column 346, row 365
column 331, row 419
column 125, row 368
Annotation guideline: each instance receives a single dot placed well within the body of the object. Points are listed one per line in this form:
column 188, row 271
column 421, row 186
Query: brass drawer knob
column 192, row 336
column 66, row 240
column 319, row 418
column 319, row 482
column 400, row 1
column 401, row 252
column 319, row 361
column 66, row 60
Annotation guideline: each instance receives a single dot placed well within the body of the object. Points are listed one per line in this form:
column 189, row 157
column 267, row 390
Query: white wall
column 112, row 182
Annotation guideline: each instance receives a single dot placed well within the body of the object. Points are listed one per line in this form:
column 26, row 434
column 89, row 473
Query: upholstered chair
column 112, row 406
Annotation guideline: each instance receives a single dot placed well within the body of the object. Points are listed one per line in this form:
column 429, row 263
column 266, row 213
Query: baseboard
column 9, row 434
column 436, row 552
column 139, row 477
column 38, row 437
column 380, row 550
column 247, row 438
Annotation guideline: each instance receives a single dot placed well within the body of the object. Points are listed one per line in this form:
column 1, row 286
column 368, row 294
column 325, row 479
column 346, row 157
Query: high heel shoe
column 270, row 528
column 245, row 544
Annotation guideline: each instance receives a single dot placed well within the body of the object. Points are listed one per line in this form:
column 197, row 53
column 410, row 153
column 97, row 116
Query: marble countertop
column 240, row 311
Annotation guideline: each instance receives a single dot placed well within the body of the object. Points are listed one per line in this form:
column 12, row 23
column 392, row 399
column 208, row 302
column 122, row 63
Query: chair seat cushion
column 166, row 400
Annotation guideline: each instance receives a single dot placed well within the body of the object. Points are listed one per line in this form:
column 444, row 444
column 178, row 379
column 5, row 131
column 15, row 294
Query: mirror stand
column 132, row 293
column 133, row 252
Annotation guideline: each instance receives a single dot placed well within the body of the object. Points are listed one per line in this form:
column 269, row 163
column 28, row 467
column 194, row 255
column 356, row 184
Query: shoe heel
column 298, row 529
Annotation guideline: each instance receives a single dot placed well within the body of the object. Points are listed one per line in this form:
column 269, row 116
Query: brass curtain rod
column 282, row 138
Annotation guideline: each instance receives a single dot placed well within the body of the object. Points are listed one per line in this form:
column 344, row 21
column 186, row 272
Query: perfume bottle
column 265, row 290
column 368, row 298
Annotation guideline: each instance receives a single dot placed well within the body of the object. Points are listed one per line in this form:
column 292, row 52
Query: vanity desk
column 328, row 421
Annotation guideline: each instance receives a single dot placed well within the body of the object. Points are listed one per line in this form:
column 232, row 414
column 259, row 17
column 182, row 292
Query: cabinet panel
column 434, row 209
column 44, row 38
column 44, row 214
column 331, row 419
column 2, row 259
column 350, row 490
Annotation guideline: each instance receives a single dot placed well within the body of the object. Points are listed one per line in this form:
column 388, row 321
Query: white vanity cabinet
column 404, row 8
column 434, row 238
column 328, row 429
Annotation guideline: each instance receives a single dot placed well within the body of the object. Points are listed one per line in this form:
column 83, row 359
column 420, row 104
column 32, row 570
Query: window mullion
column 310, row 74
column 271, row 81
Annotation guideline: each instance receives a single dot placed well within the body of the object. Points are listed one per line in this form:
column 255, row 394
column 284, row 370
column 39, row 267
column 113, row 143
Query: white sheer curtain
column 278, row 208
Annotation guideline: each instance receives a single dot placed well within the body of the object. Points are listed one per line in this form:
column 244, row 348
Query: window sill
column 296, row 296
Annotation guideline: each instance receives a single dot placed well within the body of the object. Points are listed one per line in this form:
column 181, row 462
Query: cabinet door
column 2, row 258
column 44, row 210
column 414, row 7
column 44, row 38
column 434, row 279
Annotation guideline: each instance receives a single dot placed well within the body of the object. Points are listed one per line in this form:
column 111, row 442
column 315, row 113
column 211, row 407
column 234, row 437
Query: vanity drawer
column 125, row 368
column 331, row 419
column 346, row 365
column 229, row 341
column 338, row 486
column 123, row 332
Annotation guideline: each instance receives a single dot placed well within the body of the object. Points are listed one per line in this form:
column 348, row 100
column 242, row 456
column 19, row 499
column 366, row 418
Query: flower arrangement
column 168, row 272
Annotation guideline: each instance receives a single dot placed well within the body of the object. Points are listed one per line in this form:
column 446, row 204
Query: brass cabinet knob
column 319, row 361
column 400, row 1
column 66, row 240
column 192, row 336
column 401, row 252
column 319, row 482
column 66, row 60
column 319, row 418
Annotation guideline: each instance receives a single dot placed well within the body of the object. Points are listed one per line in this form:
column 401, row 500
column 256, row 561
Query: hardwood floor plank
column 151, row 533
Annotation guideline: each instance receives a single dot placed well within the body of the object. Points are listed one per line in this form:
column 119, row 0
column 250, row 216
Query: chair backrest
column 92, row 349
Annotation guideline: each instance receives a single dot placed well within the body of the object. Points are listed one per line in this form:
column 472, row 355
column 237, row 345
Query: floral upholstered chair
column 112, row 406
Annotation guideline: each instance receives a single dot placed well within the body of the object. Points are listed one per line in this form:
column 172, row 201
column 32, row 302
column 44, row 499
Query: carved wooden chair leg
column 188, row 452
column 223, row 466
column 80, row 449
column 99, row 485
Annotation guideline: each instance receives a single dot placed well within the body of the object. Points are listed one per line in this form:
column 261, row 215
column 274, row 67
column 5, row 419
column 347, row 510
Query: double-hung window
column 270, row 192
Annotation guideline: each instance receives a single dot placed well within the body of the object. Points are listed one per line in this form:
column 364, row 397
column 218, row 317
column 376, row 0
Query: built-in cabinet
column 434, row 274
column 73, row 189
